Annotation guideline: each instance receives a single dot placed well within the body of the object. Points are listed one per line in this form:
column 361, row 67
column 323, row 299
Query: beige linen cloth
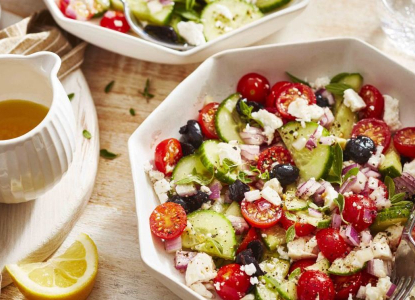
column 39, row 32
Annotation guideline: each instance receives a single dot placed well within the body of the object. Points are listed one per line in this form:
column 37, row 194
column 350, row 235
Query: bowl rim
column 56, row 13
column 138, row 131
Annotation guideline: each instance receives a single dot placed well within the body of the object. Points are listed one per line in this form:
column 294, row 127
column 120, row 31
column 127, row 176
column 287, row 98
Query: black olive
column 257, row 249
column 178, row 200
column 237, row 190
column 321, row 100
column 285, row 173
column 256, row 106
column 162, row 33
column 360, row 149
column 192, row 133
column 187, row 148
column 246, row 257
column 196, row 201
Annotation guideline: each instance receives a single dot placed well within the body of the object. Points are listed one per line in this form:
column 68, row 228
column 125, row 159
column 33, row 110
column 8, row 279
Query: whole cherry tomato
column 231, row 283
column 313, row 283
column 115, row 20
column 253, row 87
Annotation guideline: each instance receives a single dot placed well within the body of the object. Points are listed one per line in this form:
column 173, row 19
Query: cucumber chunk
column 345, row 266
column 322, row 222
column 291, row 202
column 276, row 268
column 187, row 166
column 268, row 5
column 312, row 163
column 216, row 24
column 234, row 210
column 266, row 292
column 227, row 121
column 344, row 121
column 209, row 157
column 287, row 288
column 391, row 166
column 210, row 232
column 322, row 266
column 117, row 5
column 273, row 237
column 390, row 216
column 355, row 80
column 143, row 13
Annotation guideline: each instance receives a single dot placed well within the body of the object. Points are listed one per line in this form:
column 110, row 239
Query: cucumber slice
column 291, row 202
column 390, row 216
column 391, row 166
column 234, row 210
column 210, row 232
column 266, row 292
column 187, row 166
column 343, row 122
column 268, row 5
column 142, row 12
column 355, row 80
column 227, row 121
column 322, row 266
column 117, row 5
column 322, row 222
column 344, row 266
column 312, row 163
column 210, row 159
column 273, row 237
column 287, row 288
column 216, row 24
column 276, row 268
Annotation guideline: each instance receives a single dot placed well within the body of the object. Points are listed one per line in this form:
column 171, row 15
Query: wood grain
column 110, row 215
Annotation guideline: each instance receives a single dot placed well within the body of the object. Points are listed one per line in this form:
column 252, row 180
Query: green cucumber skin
column 267, row 6
column 273, row 237
column 355, row 80
column 391, row 166
column 343, row 122
column 186, row 165
column 263, row 292
column 390, row 216
column 222, row 132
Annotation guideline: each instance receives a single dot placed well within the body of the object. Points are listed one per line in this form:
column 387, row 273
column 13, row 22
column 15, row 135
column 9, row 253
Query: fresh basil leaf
column 397, row 198
column 294, row 274
column 337, row 88
column 190, row 4
column 86, row 134
column 390, row 185
column 107, row 154
column 350, row 173
column 242, row 176
column 190, row 15
column 145, row 93
column 132, row 111
column 109, row 87
column 290, row 234
column 70, row 96
column 290, row 216
column 296, row 79
column 337, row 166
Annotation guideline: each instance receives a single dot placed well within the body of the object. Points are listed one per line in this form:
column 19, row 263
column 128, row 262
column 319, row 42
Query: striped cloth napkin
column 39, row 32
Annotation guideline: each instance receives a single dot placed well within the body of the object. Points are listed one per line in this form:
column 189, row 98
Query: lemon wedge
column 69, row 276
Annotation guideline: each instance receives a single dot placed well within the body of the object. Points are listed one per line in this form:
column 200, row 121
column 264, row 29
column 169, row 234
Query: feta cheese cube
column 353, row 100
column 186, row 189
column 329, row 195
column 373, row 183
column 155, row 175
column 161, row 186
column 298, row 249
column 205, row 189
column 391, row 113
column 250, row 269
column 379, row 268
column 200, row 269
column 373, row 293
column 362, row 256
column 269, row 122
column 253, row 195
column 410, row 168
column 271, row 196
column 376, row 159
column 253, row 280
column 302, row 111
column 163, row 197
column 381, row 249
column 384, row 285
column 230, row 151
column 320, row 82
column 275, row 185
column 147, row 166
column 360, row 183
column 192, row 32
column 201, row 289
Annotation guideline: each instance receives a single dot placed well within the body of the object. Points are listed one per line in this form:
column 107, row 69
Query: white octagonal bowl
column 218, row 77
column 132, row 46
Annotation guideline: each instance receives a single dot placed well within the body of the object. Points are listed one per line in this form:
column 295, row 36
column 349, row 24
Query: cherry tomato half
column 274, row 154
column 115, row 20
column 377, row 130
column 252, row 235
column 168, row 220
column 167, row 154
column 404, row 141
column 207, row 120
column 360, row 211
column 253, row 87
column 275, row 92
column 313, row 283
column 375, row 103
column 331, row 244
column 368, row 278
column 301, row 229
column 345, row 285
column 231, row 283
column 261, row 213
column 289, row 93
column 302, row 264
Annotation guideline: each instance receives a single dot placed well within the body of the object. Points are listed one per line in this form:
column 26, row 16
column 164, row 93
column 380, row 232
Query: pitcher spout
column 48, row 62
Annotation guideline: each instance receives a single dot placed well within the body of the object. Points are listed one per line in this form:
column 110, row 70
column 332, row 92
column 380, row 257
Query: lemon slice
column 69, row 276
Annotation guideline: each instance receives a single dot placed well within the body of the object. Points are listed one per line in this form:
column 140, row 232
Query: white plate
column 218, row 77
column 132, row 46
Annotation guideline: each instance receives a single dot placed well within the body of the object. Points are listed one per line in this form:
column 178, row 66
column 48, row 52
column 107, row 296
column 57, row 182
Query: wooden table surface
column 110, row 216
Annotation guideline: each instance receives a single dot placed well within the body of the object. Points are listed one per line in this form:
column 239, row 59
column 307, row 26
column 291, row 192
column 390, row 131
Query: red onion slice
column 182, row 259
column 314, row 213
column 239, row 224
column 312, row 140
column 336, row 221
column 348, row 168
column 252, row 136
column 391, row 290
column 249, row 152
column 327, row 119
column 347, row 186
column 173, row 245
column 215, row 188
column 352, row 235
column 264, row 205
column 405, row 184
column 308, row 188
column 368, row 215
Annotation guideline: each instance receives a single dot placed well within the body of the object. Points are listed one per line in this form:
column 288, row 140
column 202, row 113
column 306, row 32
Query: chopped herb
column 340, row 203
column 290, row 234
column 261, row 175
column 337, row 88
column 350, row 173
column 70, row 96
column 190, row 4
column 86, row 134
column 132, row 111
column 336, row 169
column 109, row 86
column 145, row 93
column 390, row 185
column 296, row 79
column 395, row 199
column 242, row 176
column 107, row 154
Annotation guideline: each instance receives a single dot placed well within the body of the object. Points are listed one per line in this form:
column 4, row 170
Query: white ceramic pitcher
column 33, row 163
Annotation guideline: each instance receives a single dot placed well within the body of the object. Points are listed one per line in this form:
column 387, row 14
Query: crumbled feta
column 205, row 189
column 161, row 187
column 380, row 248
column 353, row 100
column 373, row 183
column 299, row 143
column 217, row 285
column 147, row 166
column 155, row 175
column 230, row 151
column 207, row 205
column 379, row 196
column 224, row 11
column 360, row 183
column 302, row 111
column 394, row 234
column 163, row 197
column 283, row 254
column 298, row 249
column 271, row 196
column 154, row 6
column 248, row 297
column 384, row 285
column 320, row 82
column 200, row 269
column 275, row 185
column 269, row 122
column 410, row 168
column 250, row 269
column 362, row 256
column 186, row 189
column 252, row 195
column 253, row 280
column 376, row 159
column 329, row 195
column 373, row 293
column 391, row 113
column 379, row 268
column 201, row 289
column 192, row 32
column 311, row 245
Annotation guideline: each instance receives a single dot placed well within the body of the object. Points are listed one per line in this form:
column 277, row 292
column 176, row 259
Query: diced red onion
column 368, row 215
column 173, row 245
column 249, row 152
column 405, row 184
column 336, row 221
column 318, row 199
column 182, row 259
column 215, row 188
column 352, row 235
column 308, row 188
column 239, row 224
column 366, row 237
column 326, row 94
column 391, row 290
column 252, row 136
column 312, row 140
column 347, row 186
column 327, row 119
column 370, row 173
column 314, row 213
column 348, row 168
column 371, row 267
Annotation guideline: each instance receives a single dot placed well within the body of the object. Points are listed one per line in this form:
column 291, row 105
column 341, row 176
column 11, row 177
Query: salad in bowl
column 298, row 190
